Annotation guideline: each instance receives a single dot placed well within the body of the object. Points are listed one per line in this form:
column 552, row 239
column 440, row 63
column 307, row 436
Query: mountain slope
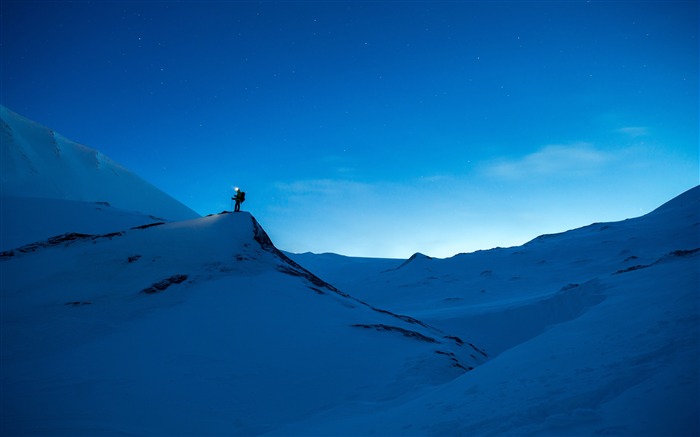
column 25, row 220
column 595, row 331
column 37, row 162
column 198, row 327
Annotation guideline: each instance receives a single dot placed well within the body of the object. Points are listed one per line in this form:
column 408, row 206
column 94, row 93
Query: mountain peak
column 415, row 257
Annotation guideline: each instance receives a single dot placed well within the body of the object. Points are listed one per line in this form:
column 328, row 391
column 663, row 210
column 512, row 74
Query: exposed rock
column 150, row 225
column 65, row 239
column 165, row 283
column 455, row 361
column 568, row 287
column 404, row 332
column 669, row 256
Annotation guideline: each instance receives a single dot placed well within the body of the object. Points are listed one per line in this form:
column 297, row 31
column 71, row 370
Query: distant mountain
column 38, row 163
column 594, row 331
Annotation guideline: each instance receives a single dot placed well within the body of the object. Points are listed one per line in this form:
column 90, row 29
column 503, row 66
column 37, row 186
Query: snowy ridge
column 592, row 331
column 40, row 163
column 207, row 307
column 284, row 265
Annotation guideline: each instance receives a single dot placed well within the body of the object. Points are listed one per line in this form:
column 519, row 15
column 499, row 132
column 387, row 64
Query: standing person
column 239, row 198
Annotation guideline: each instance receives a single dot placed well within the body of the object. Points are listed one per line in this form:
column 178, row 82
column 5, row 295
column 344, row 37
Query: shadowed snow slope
column 26, row 220
column 40, row 163
column 592, row 331
column 199, row 327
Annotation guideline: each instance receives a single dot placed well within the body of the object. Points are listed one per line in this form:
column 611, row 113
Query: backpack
column 241, row 195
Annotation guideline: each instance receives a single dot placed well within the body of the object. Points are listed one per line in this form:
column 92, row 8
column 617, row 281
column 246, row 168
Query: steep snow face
column 197, row 327
column 595, row 331
column 39, row 163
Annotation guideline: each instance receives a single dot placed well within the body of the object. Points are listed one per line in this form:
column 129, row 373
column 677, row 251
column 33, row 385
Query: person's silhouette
column 238, row 198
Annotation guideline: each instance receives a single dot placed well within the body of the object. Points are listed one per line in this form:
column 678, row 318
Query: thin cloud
column 323, row 187
column 634, row 131
column 555, row 160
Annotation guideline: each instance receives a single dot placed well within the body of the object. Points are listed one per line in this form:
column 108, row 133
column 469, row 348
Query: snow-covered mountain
column 199, row 327
column 43, row 171
column 595, row 331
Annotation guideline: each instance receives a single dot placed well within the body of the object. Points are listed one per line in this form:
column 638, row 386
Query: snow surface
column 37, row 162
column 116, row 323
column 592, row 332
column 246, row 342
column 25, row 220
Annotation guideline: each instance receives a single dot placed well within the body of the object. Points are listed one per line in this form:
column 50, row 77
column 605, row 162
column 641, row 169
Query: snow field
column 238, row 348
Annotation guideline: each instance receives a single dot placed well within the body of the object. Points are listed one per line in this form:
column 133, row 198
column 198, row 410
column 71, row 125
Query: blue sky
column 375, row 128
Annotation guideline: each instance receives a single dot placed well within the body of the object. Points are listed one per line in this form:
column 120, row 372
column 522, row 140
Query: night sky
column 375, row 128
